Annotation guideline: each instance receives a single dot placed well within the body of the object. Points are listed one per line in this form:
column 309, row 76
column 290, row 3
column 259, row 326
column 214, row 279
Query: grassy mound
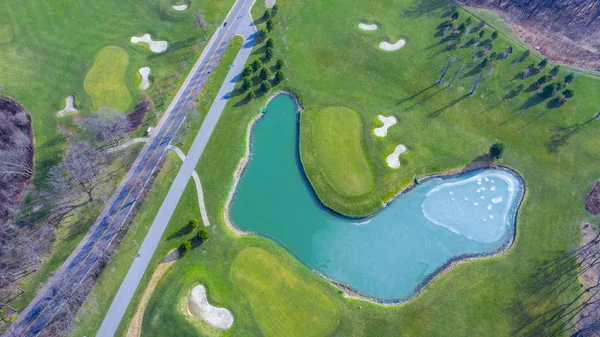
column 282, row 304
column 337, row 145
column 104, row 81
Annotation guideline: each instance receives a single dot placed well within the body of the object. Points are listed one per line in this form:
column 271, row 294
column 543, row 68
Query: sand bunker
column 198, row 306
column 179, row 7
column 69, row 108
column 145, row 84
column 365, row 26
column 155, row 46
column 387, row 123
column 393, row 160
column 391, row 47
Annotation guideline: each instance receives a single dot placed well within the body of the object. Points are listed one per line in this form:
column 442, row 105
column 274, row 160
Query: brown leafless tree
column 200, row 22
column 106, row 125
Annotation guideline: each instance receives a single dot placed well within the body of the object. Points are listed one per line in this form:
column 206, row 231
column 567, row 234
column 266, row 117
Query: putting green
column 104, row 81
column 6, row 33
column 337, row 145
column 281, row 302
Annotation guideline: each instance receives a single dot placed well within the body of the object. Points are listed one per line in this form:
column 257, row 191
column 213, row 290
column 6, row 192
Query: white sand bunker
column 179, row 7
column 393, row 160
column 365, row 26
column 198, row 306
column 69, row 108
column 145, row 84
column 387, row 123
column 155, row 46
column 391, row 47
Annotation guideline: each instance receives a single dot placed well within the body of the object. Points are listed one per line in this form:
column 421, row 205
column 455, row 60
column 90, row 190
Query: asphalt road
column 50, row 299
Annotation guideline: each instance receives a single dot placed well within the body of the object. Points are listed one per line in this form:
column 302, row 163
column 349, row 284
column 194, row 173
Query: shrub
column 454, row 16
column 494, row 35
column 247, row 84
column 268, row 14
column 265, row 73
column 261, row 35
column 270, row 25
column 542, row 80
column 265, row 86
column 543, row 63
column 497, row 150
column 270, row 43
column 257, row 64
column 279, row 76
column 251, row 95
column 568, row 93
column 269, row 53
column 192, row 224
column 462, row 28
column 549, row 90
column 279, row 64
column 202, row 235
column 247, row 71
column 554, row 71
column 481, row 34
column 469, row 21
column 484, row 63
column 569, row 78
column 275, row 10
column 185, row 247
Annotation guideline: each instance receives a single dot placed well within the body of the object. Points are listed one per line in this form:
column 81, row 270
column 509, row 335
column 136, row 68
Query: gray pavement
column 50, row 299
column 246, row 28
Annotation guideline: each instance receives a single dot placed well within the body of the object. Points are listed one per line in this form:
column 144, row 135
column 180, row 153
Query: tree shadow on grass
column 426, row 7
column 415, row 95
column 560, row 135
column 533, row 101
column 439, row 111
column 483, row 160
column 426, row 98
column 184, row 230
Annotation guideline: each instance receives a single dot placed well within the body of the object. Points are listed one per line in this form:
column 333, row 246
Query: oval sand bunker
column 180, row 7
column 387, row 123
column 155, row 46
column 198, row 306
column 145, row 84
column 393, row 160
column 69, row 108
column 392, row 46
column 367, row 27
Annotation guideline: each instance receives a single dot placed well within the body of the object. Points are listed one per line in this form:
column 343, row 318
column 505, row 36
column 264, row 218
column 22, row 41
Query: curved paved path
column 50, row 299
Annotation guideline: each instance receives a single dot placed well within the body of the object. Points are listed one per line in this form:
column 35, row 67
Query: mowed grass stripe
column 337, row 144
column 281, row 302
column 104, row 81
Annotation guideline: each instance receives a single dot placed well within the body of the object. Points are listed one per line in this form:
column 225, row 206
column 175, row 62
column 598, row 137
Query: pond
column 390, row 255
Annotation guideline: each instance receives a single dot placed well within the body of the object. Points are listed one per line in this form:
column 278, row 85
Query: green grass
column 104, row 81
column 329, row 62
column 88, row 319
column 53, row 46
column 6, row 33
column 337, row 139
column 281, row 302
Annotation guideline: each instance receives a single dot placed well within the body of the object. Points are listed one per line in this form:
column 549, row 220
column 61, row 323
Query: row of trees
column 201, row 236
column 262, row 69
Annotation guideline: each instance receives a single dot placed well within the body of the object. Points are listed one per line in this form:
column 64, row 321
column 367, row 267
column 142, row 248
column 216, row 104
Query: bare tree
column 200, row 22
column 107, row 125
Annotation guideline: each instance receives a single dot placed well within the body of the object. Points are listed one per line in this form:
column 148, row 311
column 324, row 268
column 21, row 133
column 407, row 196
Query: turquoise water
column 389, row 255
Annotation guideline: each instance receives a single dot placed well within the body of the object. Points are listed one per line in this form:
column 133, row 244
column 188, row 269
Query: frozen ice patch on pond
column 482, row 224
column 155, row 46
column 387, row 123
column 497, row 200
column 493, row 188
column 145, row 83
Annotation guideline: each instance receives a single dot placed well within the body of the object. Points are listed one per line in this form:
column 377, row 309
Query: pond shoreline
column 348, row 291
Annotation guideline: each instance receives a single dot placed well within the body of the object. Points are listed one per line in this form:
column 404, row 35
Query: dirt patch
column 135, row 326
column 592, row 200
